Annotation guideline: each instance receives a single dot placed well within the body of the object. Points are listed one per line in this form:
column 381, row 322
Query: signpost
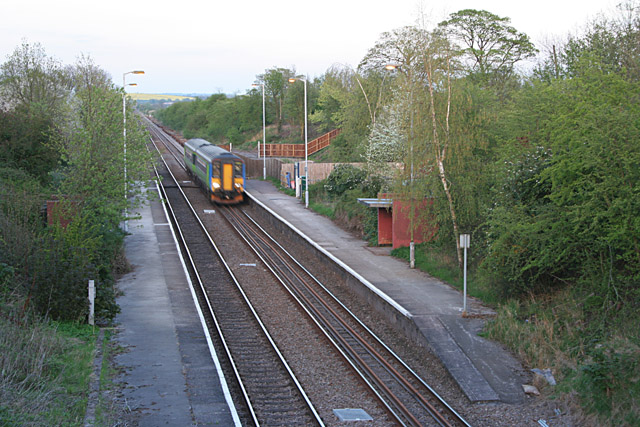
column 465, row 240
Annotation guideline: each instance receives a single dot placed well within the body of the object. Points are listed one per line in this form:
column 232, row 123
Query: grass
column 595, row 357
column 322, row 209
column 279, row 187
column 45, row 369
column 593, row 351
column 435, row 261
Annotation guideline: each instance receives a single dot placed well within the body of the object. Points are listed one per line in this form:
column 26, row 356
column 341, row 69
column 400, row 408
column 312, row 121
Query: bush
column 342, row 178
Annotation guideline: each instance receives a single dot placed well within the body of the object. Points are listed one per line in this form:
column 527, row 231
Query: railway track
column 270, row 392
column 407, row 398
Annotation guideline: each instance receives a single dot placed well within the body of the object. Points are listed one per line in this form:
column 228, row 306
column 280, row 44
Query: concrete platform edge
column 354, row 273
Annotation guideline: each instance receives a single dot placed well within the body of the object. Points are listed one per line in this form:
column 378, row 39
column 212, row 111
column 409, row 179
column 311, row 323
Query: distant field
column 157, row 96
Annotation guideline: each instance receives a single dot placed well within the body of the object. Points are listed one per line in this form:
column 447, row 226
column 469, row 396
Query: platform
column 170, row 372
column 484, row 370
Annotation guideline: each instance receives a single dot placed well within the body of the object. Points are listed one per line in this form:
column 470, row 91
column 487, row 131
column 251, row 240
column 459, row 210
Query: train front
column 228, row 178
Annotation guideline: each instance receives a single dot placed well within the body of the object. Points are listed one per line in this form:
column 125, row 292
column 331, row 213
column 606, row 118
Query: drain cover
column 352, row 415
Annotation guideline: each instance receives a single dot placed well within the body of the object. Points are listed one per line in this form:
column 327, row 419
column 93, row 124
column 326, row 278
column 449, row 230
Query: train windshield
column 238, row 168
column 215, row 169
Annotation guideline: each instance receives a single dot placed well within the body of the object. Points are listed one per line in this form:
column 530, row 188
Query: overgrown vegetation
column 45, row 366
column 58, row 125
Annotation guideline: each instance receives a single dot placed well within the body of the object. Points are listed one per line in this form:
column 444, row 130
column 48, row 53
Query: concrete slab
column 484, row 370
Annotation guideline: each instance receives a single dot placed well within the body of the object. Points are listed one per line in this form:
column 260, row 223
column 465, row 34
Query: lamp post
column 412, row 252
column 264, row 136
column 124, row 136
column 306, row 148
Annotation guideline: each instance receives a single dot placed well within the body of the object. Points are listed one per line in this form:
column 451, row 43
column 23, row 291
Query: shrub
column 342, row 178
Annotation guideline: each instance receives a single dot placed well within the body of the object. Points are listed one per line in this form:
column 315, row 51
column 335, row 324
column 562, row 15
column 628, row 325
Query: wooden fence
column 317, row 171
column 254, row 167
column 277, row 169
column 297, row 150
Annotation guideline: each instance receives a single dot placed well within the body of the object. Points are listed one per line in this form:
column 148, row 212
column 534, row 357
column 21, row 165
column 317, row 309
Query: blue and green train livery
column 219, row 172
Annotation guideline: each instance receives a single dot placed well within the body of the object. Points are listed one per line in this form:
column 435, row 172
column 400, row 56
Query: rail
column 297, row 150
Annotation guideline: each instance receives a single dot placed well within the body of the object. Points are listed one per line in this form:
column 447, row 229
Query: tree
column 32, row 80
column 275, row 82
column 34, row 89
column 490, row 44
column 295, row 101
column 91, row 145
column 386, row 143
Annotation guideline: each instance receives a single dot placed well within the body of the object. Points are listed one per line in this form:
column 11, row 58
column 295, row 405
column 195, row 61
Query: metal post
column 465, row 241
column 306, row 150
column 264, row 139
column 124, row 139
column 92, row 298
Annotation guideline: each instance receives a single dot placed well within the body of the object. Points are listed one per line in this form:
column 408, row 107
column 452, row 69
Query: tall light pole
column 412, row 250
column 124, row 135
column 264, row 136
column 306, row 148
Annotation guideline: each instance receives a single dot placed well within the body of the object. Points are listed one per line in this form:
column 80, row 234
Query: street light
column 264, row 136
column 124, row 136
column 412, row 252
column 306, row 150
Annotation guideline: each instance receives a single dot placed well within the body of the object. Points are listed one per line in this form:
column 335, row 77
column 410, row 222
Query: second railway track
column 407, row 399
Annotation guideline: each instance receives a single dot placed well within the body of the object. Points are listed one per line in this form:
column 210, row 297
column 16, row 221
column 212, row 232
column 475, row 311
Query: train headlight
column 216, row 185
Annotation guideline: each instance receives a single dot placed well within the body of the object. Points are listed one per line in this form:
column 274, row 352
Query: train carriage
column 219, row 172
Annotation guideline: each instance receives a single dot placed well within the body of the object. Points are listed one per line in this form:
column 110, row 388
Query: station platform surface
column 170, row 375
column 484, row 370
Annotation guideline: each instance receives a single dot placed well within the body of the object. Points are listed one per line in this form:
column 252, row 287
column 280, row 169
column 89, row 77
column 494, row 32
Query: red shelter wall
column 385, row 226
column 423, row 230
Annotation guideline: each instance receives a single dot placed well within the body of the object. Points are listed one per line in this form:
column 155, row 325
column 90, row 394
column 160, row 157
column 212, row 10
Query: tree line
column 539, row 167
column 61, row 137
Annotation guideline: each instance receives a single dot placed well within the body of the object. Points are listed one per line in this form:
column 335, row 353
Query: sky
column 220, row 46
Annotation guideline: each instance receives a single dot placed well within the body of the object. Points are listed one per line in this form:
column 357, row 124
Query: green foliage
column 275, row 84
column 36, row 87
column 344, row 177
column 491, row 45
column 52, row 265
column 341, row 190
column 607, row 382
column 566, row 209
column 217, row 118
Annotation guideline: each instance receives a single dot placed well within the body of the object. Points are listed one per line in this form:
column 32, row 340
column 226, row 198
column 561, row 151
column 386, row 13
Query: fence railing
column 297, row 150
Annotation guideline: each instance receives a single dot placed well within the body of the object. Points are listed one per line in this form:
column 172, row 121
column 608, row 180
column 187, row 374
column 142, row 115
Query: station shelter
column 394, row 220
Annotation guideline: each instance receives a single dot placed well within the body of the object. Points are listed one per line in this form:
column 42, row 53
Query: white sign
column 465, row 240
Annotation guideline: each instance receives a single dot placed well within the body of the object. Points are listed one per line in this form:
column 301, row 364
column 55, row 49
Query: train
column 220, row 173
